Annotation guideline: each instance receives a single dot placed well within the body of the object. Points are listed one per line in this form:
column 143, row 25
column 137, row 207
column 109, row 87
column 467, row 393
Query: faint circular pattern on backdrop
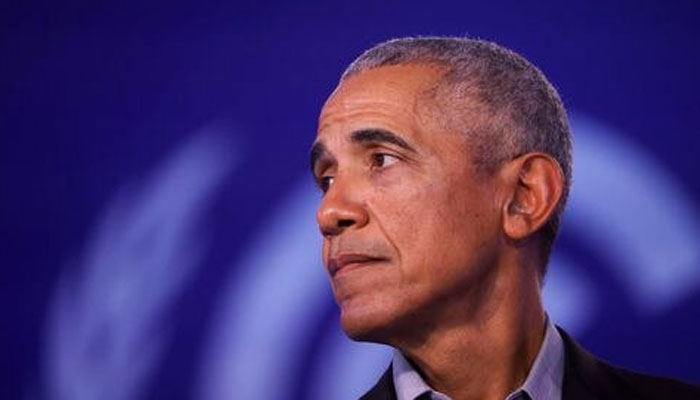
column 275, row 332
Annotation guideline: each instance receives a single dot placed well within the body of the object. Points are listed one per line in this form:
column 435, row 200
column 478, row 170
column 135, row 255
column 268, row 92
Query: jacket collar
column 585, row 377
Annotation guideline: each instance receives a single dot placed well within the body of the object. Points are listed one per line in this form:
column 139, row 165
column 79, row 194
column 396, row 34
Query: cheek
column 415, row 219
column 400, row 210
column 436, row 228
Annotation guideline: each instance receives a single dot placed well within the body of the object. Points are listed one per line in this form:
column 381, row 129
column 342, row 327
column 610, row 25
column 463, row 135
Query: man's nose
column 341, row 209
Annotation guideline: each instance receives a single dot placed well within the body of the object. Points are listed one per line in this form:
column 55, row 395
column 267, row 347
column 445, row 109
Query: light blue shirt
column 543, row 382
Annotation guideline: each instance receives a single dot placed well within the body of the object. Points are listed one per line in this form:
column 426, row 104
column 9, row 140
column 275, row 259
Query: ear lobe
column 536, row 191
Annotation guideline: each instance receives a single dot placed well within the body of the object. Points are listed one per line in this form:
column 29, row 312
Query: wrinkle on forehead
column 401, row 87
column 395, row 78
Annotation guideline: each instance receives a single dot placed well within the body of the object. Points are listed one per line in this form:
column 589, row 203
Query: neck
column 482, row 351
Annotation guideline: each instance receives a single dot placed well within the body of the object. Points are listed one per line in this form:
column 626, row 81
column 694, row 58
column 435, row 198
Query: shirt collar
column 408, row 382
column 543, row 382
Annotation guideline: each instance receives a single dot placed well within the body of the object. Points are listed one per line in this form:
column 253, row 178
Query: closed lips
column 337, row 263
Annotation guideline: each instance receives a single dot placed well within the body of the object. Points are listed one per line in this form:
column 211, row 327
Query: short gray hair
column 509, row 88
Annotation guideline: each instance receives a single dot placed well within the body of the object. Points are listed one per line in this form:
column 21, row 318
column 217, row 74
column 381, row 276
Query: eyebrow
column 379, row 136
column 318, row 150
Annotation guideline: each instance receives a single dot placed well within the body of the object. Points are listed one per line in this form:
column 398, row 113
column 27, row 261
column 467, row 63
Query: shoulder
column 383, row 389
column 588, row 377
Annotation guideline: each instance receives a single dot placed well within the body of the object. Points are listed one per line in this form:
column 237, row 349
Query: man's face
column 409, row 227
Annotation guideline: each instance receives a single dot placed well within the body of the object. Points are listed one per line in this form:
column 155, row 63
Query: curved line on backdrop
column 103, row 334
column 635, row 211
column 268, row 304
column 281, row 287
column 103, row 340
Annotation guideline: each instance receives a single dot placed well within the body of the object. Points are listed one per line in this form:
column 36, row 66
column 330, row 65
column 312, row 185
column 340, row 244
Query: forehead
column 385, row 96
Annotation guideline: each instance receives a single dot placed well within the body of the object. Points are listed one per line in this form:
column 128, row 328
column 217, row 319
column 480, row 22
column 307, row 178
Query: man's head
column 516, row 110
column 438, row 157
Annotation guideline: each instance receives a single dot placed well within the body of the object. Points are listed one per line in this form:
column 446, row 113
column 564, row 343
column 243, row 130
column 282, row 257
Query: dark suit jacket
column 586, row 377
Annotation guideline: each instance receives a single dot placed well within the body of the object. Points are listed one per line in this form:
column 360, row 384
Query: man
column 445, row 165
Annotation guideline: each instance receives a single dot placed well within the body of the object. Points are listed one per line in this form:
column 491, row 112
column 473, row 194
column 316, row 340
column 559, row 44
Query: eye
column 325, row 182
column 383, row 160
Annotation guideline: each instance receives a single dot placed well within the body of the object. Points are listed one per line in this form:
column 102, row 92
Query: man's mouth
column 347, row 262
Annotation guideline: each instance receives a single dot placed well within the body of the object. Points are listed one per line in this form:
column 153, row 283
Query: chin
column 367, row 325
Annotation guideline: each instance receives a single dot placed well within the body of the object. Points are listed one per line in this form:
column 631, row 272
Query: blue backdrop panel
column 158, row 215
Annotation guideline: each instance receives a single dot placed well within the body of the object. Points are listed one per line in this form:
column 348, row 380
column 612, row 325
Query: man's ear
column 536, row 183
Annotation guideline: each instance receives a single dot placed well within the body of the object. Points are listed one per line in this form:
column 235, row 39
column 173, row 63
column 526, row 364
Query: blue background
column 157, row 213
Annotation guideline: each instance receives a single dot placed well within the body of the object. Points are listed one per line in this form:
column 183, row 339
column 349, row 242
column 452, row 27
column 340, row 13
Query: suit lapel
column 586, row 377
column 384, row 389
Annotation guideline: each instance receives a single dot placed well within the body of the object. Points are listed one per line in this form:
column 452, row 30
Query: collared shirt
column 543, row 382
